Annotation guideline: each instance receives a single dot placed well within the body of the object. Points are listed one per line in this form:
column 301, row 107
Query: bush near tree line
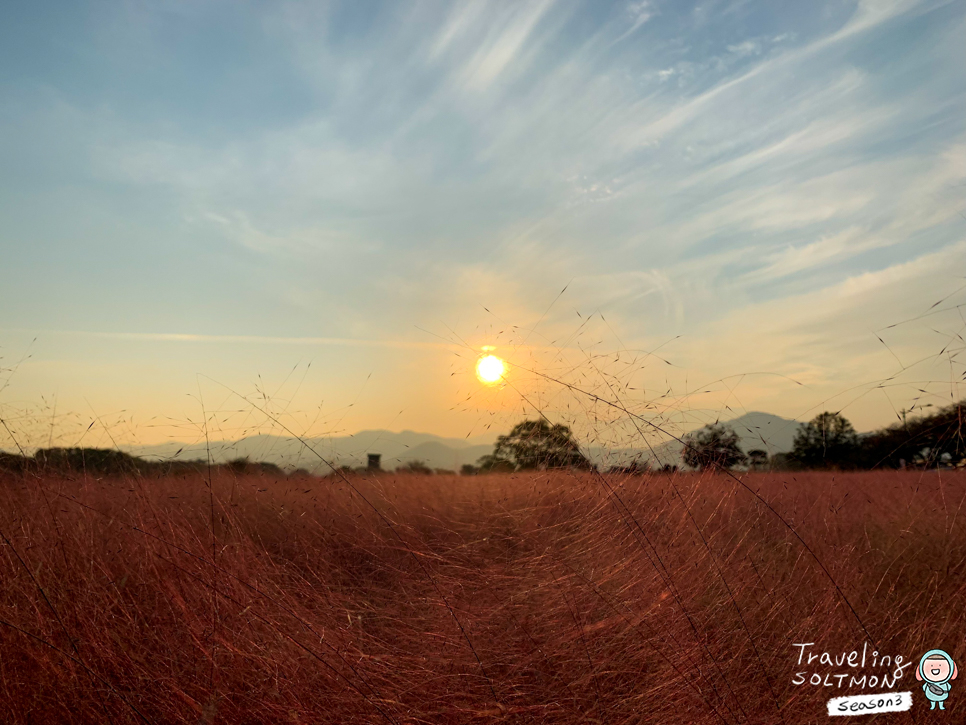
column 415, row 466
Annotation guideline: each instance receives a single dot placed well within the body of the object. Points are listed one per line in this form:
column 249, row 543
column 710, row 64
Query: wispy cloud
column 638, row 14
column 319, row 175
column 747, row 47
column 503, row 45
column 177, row 337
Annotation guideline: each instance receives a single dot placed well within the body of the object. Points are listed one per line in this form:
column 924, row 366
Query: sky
column 318, row 214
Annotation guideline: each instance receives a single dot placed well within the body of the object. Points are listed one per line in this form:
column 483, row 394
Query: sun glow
column 489, row 369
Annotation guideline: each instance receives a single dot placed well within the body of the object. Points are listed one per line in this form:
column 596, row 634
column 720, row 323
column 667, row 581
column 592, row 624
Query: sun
column 489, row 369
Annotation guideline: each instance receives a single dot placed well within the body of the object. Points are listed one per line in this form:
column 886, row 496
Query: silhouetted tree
column 490, row 463
column 244, row 466
column 634, row 468
column 239, row 465
column 827, row 441
column 535, row 444
column 95, row 461
column 714, row 446
column 415, row 466
column 783, row 462
column 757, row 458
column 468, row 469
column 924, row 441
column 12, row 463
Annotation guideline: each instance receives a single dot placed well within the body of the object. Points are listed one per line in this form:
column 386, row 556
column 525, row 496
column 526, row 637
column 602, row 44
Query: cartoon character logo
column 936, row 669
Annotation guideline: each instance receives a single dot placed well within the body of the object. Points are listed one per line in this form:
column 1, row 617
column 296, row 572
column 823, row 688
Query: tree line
column 111, row 462
column 828, row 441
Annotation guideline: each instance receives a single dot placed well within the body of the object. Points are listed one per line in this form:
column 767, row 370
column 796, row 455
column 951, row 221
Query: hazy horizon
column 331, row 209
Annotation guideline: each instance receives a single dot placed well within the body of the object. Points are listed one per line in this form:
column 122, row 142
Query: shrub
column 415, row 466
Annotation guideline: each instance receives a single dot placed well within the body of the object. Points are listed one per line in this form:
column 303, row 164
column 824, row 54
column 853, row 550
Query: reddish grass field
column 528, row 598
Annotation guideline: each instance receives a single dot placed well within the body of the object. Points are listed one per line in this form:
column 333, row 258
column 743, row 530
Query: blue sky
column 232, row 189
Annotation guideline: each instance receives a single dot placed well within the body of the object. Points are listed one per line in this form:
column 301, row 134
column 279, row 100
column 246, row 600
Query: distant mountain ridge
column 756, row 430
column 768, row 432
column 289, row 452
column 771, row 433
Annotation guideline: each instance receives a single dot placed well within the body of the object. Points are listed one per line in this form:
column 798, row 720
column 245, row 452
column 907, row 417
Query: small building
column 374, row 462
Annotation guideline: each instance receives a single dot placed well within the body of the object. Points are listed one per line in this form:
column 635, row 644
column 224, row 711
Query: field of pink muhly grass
column 532, row 598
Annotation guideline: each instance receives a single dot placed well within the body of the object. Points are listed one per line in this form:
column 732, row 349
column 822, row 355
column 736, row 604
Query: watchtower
column 374, row 464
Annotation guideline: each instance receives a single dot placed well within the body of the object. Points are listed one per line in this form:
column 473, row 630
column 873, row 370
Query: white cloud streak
column 686, row 177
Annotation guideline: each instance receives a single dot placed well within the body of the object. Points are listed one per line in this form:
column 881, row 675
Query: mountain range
column 319, row 454
column 768, row 432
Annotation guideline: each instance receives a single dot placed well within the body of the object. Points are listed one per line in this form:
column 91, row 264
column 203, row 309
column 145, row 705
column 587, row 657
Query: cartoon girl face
column 936, row 669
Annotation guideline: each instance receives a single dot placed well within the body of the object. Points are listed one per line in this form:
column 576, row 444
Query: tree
column 490, row 463
column 634, row 468
column 415, row 466
column 244, row 466
column 827, row 441
column 714, row 446
column 535, row 444
column 783, row 462
column 923, row 441
column 95, row 461
column 757, row 458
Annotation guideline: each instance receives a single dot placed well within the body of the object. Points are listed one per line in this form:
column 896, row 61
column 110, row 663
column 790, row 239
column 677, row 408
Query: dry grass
column 548, row 598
